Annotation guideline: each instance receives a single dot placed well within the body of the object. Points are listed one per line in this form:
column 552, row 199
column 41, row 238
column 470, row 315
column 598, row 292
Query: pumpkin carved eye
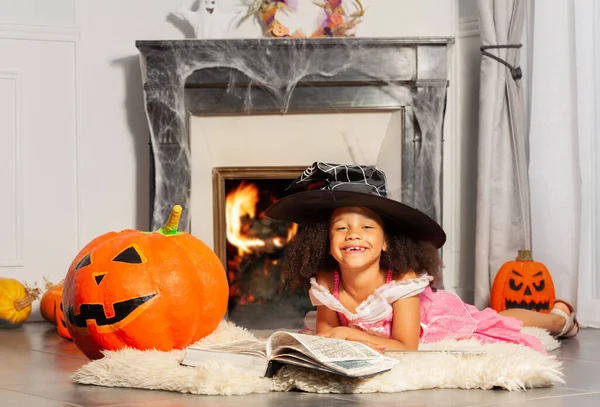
column 513, row 284
column 129, row 255
column 540, row 286
column 86, row 261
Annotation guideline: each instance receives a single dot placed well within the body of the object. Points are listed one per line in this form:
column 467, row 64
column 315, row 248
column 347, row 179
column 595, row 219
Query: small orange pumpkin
column 159, row 290
column 51, row 308
column 50, row 302
column 523, row 283
column 61, row 323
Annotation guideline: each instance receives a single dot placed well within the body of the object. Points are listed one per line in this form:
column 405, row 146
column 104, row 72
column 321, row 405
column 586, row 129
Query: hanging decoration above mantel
column 337, row 22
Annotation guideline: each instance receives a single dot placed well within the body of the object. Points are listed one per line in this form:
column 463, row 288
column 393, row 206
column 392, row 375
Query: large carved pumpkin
column 51, row 308
column 523, row 283
column 162, row 290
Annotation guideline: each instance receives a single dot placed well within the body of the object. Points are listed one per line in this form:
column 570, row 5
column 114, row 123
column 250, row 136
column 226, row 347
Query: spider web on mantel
column 427, row 106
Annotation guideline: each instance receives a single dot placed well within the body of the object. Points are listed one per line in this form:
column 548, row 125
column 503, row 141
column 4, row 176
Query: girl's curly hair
column 308, row 253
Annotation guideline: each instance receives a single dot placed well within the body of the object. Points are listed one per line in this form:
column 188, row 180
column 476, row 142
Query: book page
column 348, row 358
column 323, row 349
column 249, row 347
column 298, row 360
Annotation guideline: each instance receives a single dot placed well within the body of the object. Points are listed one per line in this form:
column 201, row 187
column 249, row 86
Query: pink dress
column 443, row 314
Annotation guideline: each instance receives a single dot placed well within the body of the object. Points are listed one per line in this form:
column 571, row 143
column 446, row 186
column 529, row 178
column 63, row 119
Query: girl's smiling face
column 356, row 237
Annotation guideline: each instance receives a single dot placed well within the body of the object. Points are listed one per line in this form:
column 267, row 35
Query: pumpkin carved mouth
column 534, row 306
column 125, row 312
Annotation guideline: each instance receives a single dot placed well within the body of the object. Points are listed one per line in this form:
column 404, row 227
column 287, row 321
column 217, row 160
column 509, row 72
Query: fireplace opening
column 251, row 246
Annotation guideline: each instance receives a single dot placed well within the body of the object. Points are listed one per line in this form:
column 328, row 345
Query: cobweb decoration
column 428, row 108
column 252, row 62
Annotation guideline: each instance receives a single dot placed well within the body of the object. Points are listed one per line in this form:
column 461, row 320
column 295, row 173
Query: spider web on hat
column 308, row 175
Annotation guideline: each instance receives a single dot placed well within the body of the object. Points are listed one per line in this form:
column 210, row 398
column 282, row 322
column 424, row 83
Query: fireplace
column 251, row 246
column 210, row 103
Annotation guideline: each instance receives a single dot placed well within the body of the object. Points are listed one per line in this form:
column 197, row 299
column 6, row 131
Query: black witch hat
column 329, row 186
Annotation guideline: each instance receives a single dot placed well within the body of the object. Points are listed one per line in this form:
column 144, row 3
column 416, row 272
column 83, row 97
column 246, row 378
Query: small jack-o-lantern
column 161, row 290
column 523, row 283
column 61, row 323
column 50, row 302
column 51, row 308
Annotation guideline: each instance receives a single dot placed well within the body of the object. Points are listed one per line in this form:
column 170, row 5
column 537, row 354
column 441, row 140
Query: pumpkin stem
column 524, row 255
column 171, row 227
column 24, row 302
column 47, row 283
column 35, row 292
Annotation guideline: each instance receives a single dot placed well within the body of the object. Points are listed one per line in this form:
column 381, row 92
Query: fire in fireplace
column 251, row 247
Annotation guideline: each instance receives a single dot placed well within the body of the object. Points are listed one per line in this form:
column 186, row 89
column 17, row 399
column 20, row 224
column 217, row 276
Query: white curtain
column 565, row 148
column 503, row 221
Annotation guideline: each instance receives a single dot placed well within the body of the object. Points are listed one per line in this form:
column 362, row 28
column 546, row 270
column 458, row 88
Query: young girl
column 372, row 262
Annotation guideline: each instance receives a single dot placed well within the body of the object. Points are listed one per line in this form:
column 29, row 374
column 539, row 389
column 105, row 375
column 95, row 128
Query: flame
column 239, row 203
column 240, row 208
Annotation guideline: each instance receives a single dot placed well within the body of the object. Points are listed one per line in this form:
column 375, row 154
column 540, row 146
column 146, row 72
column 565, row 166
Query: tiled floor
column 35, row 365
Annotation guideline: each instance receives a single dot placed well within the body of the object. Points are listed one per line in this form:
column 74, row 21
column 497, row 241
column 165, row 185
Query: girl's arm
column 406, row 328
column 326, row 317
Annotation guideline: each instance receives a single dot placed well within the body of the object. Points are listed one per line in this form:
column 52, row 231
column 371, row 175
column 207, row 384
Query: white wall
column 75, row 158
column 38, row 141
column 38, row 177
column 73, row 139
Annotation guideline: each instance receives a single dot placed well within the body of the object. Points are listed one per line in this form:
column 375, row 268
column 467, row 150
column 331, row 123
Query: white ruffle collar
column 377, row 305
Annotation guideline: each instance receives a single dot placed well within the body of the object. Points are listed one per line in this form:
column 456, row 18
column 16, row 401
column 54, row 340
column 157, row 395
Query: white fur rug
column 507, row 366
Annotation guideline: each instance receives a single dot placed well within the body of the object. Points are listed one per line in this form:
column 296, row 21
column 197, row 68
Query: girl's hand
column 339, row 332
column 350, row 334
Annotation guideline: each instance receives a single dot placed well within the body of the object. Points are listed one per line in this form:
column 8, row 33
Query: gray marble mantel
column 278, row 76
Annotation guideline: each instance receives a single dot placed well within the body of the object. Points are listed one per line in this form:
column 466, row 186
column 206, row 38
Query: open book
column 346, row 358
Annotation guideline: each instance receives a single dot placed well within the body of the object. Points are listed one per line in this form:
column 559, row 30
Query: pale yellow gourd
column 15, row 301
